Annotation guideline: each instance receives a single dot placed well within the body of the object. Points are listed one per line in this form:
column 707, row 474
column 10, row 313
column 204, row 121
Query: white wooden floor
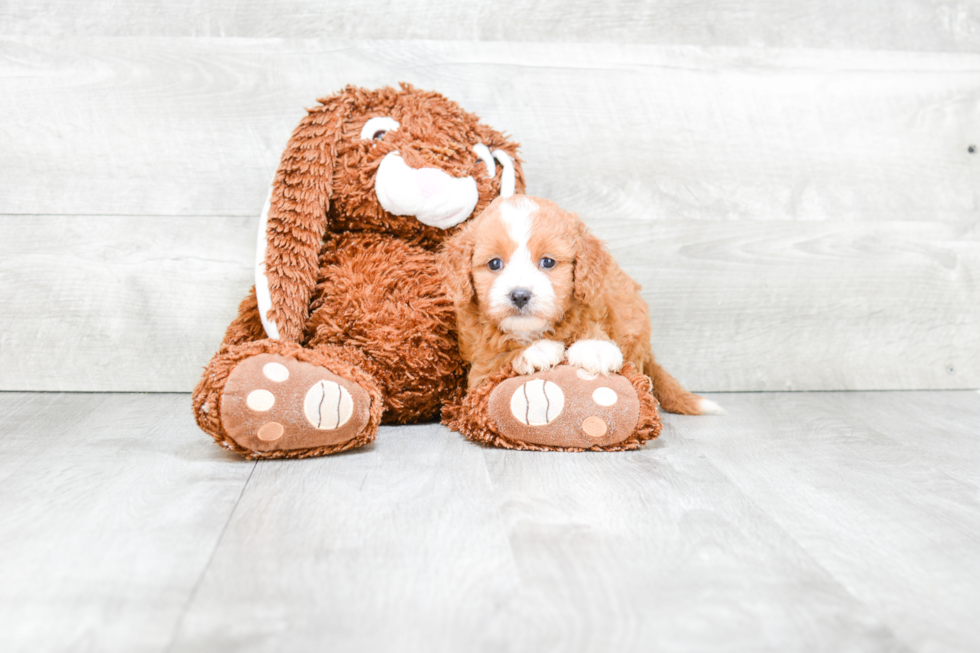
column 797, row 522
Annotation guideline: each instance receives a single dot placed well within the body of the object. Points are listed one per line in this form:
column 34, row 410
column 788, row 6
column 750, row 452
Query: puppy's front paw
column 596, row 356
column 541, row 355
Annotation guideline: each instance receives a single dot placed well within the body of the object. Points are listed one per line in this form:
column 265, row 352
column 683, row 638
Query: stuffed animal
column 534, row 289
column 348, row 324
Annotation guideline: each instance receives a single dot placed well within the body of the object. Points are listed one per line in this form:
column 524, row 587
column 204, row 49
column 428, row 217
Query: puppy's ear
column 591, row 262
column 456, row 267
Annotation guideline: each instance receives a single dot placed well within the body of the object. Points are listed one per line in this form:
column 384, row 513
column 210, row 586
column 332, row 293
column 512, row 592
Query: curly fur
column 597, row 300
column 353, row 287
column 345, row 361
column 468, row 415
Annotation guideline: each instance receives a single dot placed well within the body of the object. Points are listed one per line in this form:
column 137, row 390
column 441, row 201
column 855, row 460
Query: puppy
column 533, row 288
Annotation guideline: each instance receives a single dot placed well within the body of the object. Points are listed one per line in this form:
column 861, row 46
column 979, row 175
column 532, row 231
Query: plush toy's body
column 348, row 321
column 351, row 321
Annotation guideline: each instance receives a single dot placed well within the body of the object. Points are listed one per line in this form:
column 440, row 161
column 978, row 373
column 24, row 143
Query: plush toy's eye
column 547, row 262
column 376, row 128
column 495, row 264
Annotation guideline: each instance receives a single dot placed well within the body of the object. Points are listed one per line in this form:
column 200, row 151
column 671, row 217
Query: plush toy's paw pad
column 328, row 405
column 537, row 403
column 272, row 402
column 565, row 407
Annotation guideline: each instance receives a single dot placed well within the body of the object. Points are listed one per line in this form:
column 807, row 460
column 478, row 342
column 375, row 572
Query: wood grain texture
column 859, row 496
column 809, row 306
column 938, row 428
column 796, row 522
column 735, row 306
column 426, row 542
column 397, row 546
column 196, row 126
column 800, row 219
column 869, row 24
column 118, row 303
column 110, row 509
column 658, row 551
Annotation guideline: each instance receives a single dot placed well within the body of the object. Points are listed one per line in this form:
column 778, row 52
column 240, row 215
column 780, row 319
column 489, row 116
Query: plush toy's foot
column 276, row 403
column 562, row 409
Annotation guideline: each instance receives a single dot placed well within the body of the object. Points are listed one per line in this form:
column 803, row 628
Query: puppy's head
column 524, row 263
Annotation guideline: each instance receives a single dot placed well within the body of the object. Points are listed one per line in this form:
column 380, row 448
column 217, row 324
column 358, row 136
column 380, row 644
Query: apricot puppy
column 533, row 288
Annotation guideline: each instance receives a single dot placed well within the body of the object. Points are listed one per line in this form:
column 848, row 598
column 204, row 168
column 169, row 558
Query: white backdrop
column 793, row 185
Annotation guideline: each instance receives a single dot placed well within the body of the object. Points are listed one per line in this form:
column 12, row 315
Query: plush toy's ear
column 504, row 151
column 591, row 262
column 455, row 266
column 295, row 219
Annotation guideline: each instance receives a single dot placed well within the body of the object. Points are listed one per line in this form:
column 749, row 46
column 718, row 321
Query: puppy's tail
column 673, row 397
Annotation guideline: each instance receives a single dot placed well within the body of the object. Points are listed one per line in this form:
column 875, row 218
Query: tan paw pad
column 565, row 407
column 270, row 431
column 594, row 427
column 272, row 402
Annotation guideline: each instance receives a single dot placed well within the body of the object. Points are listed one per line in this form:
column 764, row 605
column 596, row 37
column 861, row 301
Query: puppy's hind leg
column 673, row 397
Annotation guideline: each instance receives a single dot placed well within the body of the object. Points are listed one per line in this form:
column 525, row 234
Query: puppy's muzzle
column 519, row 297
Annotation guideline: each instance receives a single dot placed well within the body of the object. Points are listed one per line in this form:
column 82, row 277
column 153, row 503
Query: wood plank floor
column 796, row 522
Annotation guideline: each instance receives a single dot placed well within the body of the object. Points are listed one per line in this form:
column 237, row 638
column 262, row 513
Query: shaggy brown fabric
column 264, row 405
column 247, row 327
column 396, row 314
column 353, row 286
column 325, row 183
column 565, row 400
column 471, row 416
column 342, row 361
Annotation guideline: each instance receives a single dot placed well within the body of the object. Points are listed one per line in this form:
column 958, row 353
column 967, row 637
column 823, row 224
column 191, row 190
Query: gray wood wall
column 791, row 182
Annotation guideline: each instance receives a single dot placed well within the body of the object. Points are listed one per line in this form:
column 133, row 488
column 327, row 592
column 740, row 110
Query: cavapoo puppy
column 533, row 289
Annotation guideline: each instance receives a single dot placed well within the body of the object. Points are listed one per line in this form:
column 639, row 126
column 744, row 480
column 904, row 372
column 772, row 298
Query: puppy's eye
column 495, row 264
column 547, row 262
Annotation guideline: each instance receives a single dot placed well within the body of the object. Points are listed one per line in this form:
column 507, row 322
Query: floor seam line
column 884, row 622
column 207, row 566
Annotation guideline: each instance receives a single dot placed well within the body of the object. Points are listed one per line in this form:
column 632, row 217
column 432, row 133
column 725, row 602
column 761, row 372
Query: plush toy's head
column 401, row 161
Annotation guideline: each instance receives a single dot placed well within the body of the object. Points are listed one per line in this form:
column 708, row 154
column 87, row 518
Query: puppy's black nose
column 520, row 297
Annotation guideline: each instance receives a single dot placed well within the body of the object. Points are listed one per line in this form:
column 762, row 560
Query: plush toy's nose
column 432, row 182
column 520, row 297
column 433, row 196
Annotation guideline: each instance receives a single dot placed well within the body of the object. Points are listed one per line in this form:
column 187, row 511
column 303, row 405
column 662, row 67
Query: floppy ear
column 591, row 262
column 456, row 268
column 519, row 185
column 295, row 219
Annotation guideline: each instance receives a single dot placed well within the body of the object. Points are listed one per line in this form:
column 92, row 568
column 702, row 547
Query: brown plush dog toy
column 533, row 288
column 348, row 324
